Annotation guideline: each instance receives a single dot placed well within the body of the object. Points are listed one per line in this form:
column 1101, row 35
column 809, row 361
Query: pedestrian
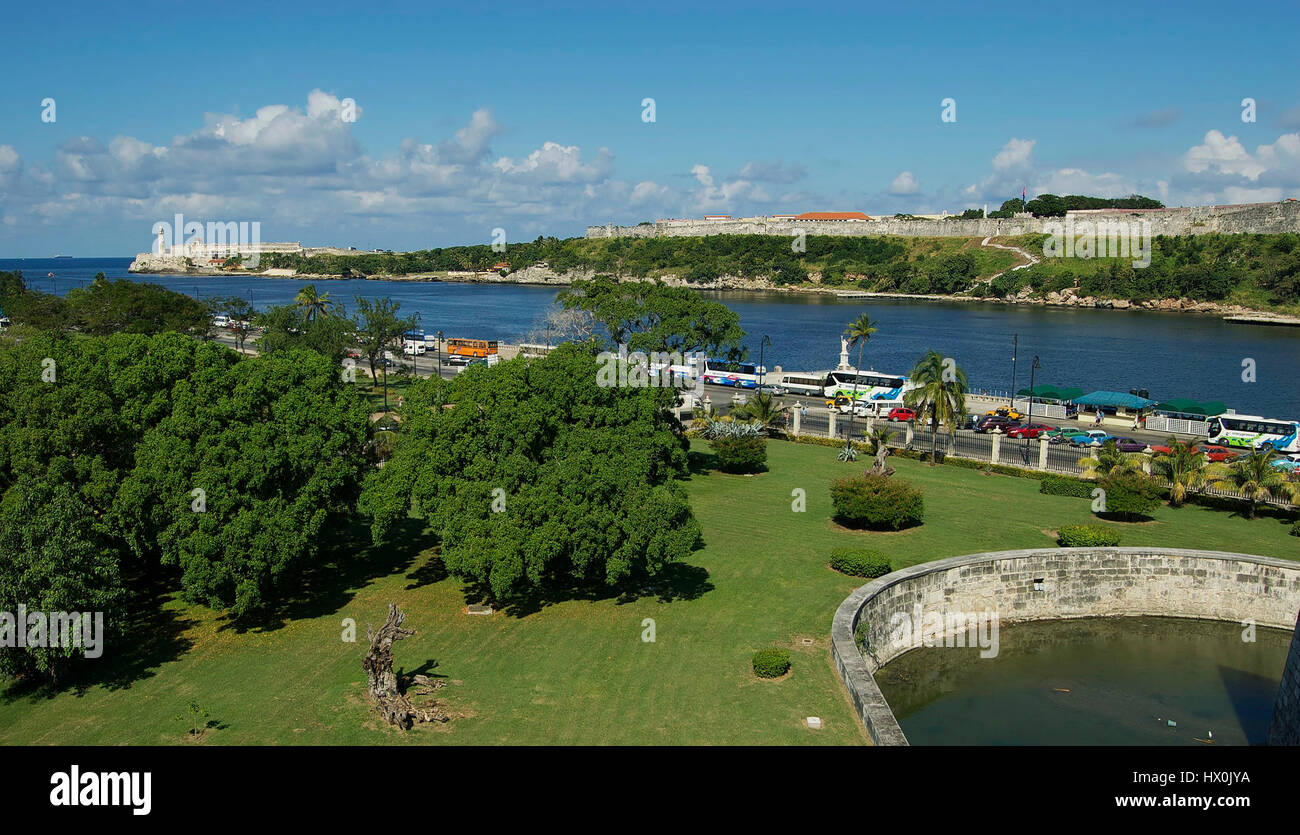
column 1097, row 422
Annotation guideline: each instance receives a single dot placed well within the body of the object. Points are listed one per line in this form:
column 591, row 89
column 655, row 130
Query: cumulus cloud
column 556, row 163
column 1222, row 155
column 904, row 184
column 701, row 174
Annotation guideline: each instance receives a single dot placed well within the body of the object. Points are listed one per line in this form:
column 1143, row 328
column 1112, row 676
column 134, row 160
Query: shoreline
column 541, row 277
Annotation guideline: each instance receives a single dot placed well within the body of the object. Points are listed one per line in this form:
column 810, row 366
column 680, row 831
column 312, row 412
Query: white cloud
column 701, row 174
column 904, row 184
column 1222, row 155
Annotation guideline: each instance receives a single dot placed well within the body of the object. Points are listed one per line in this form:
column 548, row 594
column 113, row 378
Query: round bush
column 859, row 563
column 740, row 455
column 1295, row 528
column 1087, row 536
column 771, row 663
column 1131, row 495
column 876, row 501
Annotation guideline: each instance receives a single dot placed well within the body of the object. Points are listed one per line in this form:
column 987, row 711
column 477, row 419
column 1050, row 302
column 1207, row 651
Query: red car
column 1213, row 452
column 901, row 414
column 1033, row 430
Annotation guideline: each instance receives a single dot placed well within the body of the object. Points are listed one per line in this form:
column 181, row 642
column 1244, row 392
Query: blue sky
column 531, row 120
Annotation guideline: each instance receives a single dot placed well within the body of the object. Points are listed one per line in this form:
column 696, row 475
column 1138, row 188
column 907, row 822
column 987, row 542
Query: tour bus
column 1252, row 431
column 809, row 383
column 471, row 347
column 882, row 391
column 730, row 373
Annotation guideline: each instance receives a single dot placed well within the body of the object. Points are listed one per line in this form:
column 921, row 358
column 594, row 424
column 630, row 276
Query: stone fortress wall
column 1190, row 220
column 1059, row 583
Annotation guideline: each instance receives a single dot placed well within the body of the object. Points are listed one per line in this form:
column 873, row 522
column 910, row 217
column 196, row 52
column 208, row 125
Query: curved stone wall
column 1051, row 583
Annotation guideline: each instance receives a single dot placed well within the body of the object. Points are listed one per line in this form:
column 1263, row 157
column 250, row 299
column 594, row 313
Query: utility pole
column 1015, row 349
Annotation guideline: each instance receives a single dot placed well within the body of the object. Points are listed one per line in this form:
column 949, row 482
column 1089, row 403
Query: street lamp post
column 440, row 354
column 1029, row 418
column 1015, row 349
column 762, row 372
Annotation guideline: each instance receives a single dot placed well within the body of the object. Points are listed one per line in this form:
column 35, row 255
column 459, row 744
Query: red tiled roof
column 833, row 216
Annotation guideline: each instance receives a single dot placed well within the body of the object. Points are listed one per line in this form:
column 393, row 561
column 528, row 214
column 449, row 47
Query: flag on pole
column 1022, row 194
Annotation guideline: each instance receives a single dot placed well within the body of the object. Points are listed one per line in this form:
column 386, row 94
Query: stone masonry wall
column 1190, row 220
column 1075, row 583
column 1285, row 728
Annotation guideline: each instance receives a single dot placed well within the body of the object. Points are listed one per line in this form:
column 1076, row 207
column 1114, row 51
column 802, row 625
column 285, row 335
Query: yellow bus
column 471, row 347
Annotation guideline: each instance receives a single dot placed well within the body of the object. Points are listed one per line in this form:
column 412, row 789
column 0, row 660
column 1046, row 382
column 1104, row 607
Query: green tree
column 1110, row 459
column 537, row 480
column 287, row 327
column 380, row 328
column 765, row 409
column 1254, row 476
column 122, row 306
column 859, row 332
column 313, row 304
column 650, row 316
column 1184, row 466
column 940, row 391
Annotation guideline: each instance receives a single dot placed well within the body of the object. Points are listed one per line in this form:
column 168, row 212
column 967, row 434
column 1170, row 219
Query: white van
column 412, row 349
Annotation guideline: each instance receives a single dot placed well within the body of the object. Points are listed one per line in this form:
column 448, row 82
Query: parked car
column 773, row 389
column 1130, row 444
column 840, row 402
column 970, row 422
column 901, row 413
column 995, row 423
column 456, row 361
column 1091, row 437
column 1216, row 453
column 1289, row 464
column 1006, row 412
column 1033, row 430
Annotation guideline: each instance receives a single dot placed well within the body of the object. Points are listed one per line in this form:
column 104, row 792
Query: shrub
column 771, row 663
column 740, row 455
column 859, row 563
column 1131, row 495
column 1295, row 528
column 1056, row 485
column 1087, row 536
column 876, row 501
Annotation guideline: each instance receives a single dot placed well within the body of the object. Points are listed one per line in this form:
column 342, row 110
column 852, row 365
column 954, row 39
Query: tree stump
column 385, row 688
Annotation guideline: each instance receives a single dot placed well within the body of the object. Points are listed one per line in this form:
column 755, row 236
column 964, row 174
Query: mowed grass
column 578, row 672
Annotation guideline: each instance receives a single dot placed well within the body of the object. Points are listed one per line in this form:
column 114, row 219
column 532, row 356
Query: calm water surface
column 1126, row 677
column 1169, row 354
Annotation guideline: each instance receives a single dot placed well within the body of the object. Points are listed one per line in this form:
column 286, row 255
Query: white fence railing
column 1164, row 423
column 1043, row 410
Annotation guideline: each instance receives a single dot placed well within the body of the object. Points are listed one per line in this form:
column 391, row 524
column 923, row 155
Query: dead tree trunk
column 385, row 688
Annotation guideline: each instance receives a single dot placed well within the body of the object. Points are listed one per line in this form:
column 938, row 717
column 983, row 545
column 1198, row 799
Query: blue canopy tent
column 1114, row 400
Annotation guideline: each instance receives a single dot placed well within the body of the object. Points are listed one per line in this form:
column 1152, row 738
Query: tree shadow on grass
column 150, row 634
column 433, row 571
column 351, row 562
column 675, row 581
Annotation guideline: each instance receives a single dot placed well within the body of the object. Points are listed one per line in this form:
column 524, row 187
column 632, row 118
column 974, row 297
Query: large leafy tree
column 55, row 561
column 121, row 306
column 537, row 479
column 380, row 328
column 651, row 316
column 275, row 445
column 289, row 327
column 940, row 392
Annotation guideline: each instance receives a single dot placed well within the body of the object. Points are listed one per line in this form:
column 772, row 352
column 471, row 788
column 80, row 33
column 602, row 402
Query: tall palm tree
column 313, row 304
column 859, row 332
column 940, row 390
column 1184, row 466
column 1111, row 460
column 1255, row 477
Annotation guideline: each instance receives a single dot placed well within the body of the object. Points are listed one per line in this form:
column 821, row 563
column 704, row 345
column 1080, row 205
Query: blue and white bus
column 729, row 373
column 1254, row 432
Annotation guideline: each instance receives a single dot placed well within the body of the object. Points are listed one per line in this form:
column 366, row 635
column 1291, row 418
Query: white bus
column 1252, row 431
column 883, row 391
column 728, row 373
column 803, row 382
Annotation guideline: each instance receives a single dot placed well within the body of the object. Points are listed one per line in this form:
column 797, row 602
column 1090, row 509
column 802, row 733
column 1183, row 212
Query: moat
column 1101, row 681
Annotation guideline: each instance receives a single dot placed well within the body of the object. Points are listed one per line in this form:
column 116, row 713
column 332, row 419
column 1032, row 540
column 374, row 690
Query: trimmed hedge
column 860, row 563
column 1057, row 485
column 740, row 455
column 876, row 501
column 771, row 663
column 1086, row 536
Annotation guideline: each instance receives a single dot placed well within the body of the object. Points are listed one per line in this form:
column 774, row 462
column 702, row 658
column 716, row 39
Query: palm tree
column 1255, row 477
column 1110, row 461
column 1184, row 466
column 312, row 304
column 878, row 443
column 940, row 390
column 764, row 409
column 859, row 332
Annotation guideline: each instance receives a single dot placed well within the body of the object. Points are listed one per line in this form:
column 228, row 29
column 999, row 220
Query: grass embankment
column 578, row 671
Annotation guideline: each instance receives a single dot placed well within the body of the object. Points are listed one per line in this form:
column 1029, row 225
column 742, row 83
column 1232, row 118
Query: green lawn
column 578, row 671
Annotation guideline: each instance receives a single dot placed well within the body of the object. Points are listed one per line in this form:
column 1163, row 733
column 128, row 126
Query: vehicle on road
column 220, row 321
column 1006, row 411
column 1288, row 463
column 1253, row 432
column 731, row 373
column 1130, row 444
column 901, row 413
column 456, row 362
column 969, row 422
column 995, row 424
column 1091, row 437
column 840, row 402
column 1032, row 430
column 414, row 349
column 885, row 391
column 471, row 347
column 773, row 389
column 805, row 383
